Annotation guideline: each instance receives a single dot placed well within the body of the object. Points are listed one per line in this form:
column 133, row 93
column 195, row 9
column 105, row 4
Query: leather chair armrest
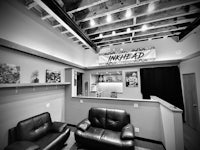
column 59, row 126
column 84, row 125
column 22, row 145
column 128, row 132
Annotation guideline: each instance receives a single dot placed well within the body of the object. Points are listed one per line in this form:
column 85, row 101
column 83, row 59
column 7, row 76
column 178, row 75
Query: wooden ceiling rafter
column 115, row 10
column 144, row 35
column 139, row 15
column 86, row 4
column 147, row 22
column 132, row 41
column 190, row 28
column 169, row 18
column 48, row 17
column 154, row 27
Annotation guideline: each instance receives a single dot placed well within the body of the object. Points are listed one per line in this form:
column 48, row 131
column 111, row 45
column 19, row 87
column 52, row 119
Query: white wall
column 28, row 64
column 20, row 26
column 192, row 66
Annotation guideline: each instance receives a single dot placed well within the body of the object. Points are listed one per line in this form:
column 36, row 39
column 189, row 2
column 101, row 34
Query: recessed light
column 101, row 35
column 144, row 27
column 92, row 23
column 128, row 13
column 108, row 18
column 128, row 29
column 113, row 32
column 151, row 7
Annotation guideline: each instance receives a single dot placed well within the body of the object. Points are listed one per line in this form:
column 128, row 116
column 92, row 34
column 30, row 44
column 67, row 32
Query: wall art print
column 131, row 79
column 9, row 73
column 53, row 76
column 35, row 77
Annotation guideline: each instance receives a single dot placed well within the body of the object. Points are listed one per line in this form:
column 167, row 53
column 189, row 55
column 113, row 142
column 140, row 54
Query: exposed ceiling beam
column 143, row 36
column 153, row 27
column 131, row 41
column 111, row 8
column 54, row 9
column 123, row 26
column 86, row 4
column 121, row 17
column 189, row 29
column 46, row 16
column 31, row 5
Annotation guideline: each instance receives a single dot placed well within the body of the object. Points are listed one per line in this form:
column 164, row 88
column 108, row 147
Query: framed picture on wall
column 53, row 76
column 9, row 73
column 131, row 79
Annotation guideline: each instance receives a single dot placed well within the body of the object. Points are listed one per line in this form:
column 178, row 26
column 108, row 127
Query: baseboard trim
column 150, row 140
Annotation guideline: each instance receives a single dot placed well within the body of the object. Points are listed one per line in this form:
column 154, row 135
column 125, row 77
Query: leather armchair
column 38, row 133
column 106, row 129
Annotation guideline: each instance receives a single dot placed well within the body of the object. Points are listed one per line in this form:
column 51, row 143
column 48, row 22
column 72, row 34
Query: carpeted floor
column 140, row 145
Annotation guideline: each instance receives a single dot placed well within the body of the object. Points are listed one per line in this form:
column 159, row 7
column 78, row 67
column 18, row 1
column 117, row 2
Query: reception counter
column 154, row 99
column 153, row 118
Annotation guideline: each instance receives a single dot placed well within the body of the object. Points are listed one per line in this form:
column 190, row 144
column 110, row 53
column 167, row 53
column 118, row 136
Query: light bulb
column 113, row 32
column 144, row 28
column 128, row 13
column 109, row 18
column 101, row 35
column 128, row 29
column 151, row 7
column 92, row 23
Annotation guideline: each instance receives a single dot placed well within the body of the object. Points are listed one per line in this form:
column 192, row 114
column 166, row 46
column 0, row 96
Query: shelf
column 111, row 82
column 33, row 84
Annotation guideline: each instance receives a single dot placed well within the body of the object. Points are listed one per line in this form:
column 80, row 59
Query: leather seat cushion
column 50, row 140
column 97, row 117
column 116, row 119
column 89, row 138
column 47, row 139
column 111, row 140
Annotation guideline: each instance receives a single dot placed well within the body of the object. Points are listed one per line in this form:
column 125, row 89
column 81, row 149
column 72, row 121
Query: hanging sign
column 124, row 57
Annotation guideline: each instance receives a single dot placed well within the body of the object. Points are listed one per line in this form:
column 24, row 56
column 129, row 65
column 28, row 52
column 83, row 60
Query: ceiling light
column 101, row 35
column 92, row 23
column 128, row 29
column 108, row 18
column 128, row 13
column 113, row 32
column 151, row 7
column 144, row 27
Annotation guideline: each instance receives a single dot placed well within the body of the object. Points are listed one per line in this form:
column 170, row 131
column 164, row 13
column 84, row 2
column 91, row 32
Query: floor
column 191, row 138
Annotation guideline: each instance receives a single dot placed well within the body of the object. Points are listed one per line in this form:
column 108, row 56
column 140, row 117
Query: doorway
column 191, row 102
column 79, row 83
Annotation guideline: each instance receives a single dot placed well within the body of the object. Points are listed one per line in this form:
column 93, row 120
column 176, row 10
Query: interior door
column 191, row 103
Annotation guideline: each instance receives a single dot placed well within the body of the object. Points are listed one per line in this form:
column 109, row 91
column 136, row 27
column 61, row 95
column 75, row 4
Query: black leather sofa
column 38, row 133
column 106, row 129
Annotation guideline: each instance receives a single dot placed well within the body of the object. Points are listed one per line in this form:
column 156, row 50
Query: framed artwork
column 53, row 76
column 35, row 77
column 9, row 73
column 131, row 79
